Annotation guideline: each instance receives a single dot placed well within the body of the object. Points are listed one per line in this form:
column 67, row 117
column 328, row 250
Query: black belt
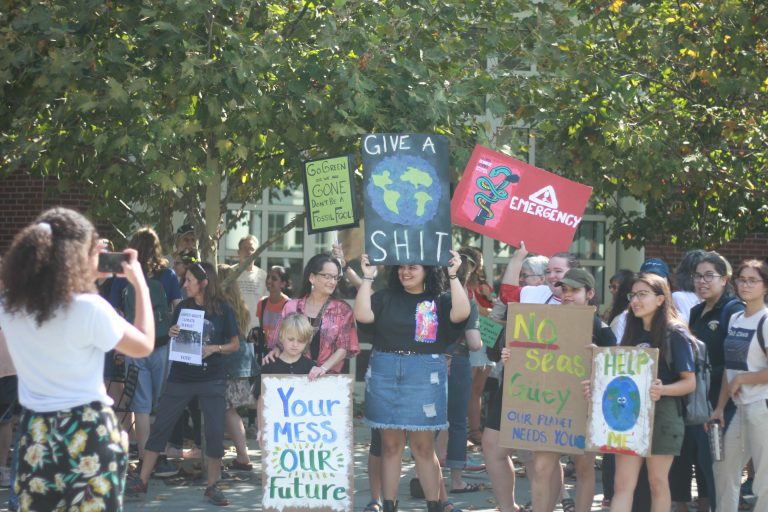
column 400, row 352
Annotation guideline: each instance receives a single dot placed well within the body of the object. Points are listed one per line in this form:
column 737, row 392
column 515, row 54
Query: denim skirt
column 406, row 391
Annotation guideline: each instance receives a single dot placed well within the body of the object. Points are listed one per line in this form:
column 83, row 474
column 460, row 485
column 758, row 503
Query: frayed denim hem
column 407, row 428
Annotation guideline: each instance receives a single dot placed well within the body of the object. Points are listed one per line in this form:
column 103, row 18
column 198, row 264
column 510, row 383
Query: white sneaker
column 5, row 476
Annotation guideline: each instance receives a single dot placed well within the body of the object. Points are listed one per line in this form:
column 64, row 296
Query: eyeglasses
column 707, row 278
column 329, row 277
column 748, row 282
column 641, row 295
column 526, row 276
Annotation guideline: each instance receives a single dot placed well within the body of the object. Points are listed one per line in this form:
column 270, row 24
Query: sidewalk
column 244, row 489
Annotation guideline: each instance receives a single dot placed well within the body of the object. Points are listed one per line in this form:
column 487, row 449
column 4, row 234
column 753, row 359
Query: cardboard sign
column 489, row 331
column 621, row 410
column 543, row 406
column 187, row 347
column 510, row 201
column 306, row 443
column 405, row 186
column 329, row 194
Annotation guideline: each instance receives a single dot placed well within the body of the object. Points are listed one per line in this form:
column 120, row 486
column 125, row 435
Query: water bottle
column 715, row 440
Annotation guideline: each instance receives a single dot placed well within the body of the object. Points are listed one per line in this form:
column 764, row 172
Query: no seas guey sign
column 543, row 407
column 306, row 443
column 329, row 194
column 621, row 409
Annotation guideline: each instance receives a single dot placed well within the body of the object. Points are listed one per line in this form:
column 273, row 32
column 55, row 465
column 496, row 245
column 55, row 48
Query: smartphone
column 111, row 262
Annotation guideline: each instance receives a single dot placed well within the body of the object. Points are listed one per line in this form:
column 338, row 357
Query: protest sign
column 489, row 331
column 510, row 201
column 187, row 347
column 329, row 194
column 306, row 443
column 621, row 409
column 405, row 186
column 543, row 407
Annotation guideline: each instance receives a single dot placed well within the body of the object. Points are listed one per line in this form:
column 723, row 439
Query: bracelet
column 454, row 276
column 325, row 370
column 365, row 278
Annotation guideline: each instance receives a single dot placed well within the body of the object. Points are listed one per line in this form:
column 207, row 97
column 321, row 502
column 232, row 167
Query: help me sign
column 510, row 201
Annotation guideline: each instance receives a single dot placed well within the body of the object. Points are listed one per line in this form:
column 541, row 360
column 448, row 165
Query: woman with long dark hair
column 73, row 453
column 412, row 322
column 653, row 322
column 335, row 336
column 206, row 382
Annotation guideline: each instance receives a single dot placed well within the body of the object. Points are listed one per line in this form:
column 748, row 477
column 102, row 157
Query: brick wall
column 23, row 198
column 736, row 251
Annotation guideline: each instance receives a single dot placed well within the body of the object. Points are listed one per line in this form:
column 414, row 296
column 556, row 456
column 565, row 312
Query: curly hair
column 48, row 263
column 147, row 244
column 234, row 298
column 434, row 280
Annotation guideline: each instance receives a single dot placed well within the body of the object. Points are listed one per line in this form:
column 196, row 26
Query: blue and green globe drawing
column 621, row 403
column 404, row 189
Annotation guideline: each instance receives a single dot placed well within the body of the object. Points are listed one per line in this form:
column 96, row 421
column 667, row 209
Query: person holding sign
column 335, row 336
column 746, row 382
column 577, row 287
column 653, row 322
column 412, row 321
column 57, row 330
column 206, row 382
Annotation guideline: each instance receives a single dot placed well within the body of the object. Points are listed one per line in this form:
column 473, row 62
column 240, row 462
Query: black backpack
column 696, row 407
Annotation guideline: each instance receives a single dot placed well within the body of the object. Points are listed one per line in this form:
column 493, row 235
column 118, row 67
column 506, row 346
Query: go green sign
column 329, row 194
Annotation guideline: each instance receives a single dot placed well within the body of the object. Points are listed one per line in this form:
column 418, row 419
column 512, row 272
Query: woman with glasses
column 708, row 322
column 335, row 337
column 745, row 381
column 206, row 382
column 653, row 322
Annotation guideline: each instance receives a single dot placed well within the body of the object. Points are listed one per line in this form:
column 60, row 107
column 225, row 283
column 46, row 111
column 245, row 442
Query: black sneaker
column 165, row 469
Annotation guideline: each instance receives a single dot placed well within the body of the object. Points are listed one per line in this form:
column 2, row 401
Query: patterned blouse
column 336, row 331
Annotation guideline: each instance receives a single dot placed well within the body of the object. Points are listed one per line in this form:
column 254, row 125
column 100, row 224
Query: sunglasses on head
column 199, row 268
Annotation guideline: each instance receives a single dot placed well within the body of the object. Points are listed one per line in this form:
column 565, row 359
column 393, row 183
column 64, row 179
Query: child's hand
column 317, row 371
column 271, row 356
column 587, row 387
column 505, row 353
column 656, row 389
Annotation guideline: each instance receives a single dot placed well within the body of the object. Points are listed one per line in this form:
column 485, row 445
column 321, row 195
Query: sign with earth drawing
column 510, row 201
column 407, row 207
column 621, row 409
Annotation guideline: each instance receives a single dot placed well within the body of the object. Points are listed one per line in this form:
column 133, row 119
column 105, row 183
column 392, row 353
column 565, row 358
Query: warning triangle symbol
column 545, row 197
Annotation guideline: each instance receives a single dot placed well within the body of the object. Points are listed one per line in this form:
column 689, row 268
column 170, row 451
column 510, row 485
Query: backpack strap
column 726, row 313
column 760, row 334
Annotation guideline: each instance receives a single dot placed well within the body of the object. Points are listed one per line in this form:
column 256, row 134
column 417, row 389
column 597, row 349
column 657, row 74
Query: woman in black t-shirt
column 412, row 322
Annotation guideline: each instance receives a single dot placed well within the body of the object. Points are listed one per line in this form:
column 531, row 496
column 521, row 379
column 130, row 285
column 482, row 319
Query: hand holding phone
column 112, row 262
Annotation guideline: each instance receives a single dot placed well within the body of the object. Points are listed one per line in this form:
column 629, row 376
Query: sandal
column 239, row 466
column 448, row 506
column 373, row 506
column 568, row 505
column 467, row 488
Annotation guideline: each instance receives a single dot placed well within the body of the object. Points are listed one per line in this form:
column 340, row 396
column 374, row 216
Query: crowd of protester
column 70, row 332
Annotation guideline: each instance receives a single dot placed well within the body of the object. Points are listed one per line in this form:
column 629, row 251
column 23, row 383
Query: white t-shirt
column 253, row 286
column 684, row 301
column 60, row 364
column 743, row 354
column 539, row 294
column 619, row 325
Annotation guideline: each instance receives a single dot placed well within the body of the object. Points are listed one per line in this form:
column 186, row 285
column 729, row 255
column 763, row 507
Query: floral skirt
column 75, row 458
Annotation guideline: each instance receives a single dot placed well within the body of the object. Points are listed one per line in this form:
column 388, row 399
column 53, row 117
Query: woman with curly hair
column 412, row 321
column 72, row 452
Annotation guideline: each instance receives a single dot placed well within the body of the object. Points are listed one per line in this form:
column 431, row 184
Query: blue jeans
column 153, row 370
column 459, row 389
